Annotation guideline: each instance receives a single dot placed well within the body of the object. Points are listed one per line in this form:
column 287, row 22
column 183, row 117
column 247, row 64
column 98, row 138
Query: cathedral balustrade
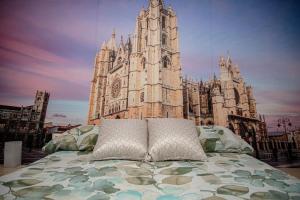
column 115, row 68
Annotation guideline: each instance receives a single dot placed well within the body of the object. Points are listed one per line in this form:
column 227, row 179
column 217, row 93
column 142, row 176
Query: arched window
column 164, row 39
column 147, row 23
column 166, row 62
column 209, row 102
column 142, row 97
column 144, row 63
column 236, row 96
column 163, row 22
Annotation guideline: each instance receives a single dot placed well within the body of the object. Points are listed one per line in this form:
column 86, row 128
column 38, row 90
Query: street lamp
column 284, row 121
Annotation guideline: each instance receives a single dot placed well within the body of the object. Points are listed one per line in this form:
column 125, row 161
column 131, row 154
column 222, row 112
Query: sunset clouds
column 51, row 45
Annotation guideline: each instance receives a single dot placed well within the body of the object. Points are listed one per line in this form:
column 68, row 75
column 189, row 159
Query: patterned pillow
column 122, row 139
column 82, row 138
column 174, row 139
column 87, row 138
column 221, row 139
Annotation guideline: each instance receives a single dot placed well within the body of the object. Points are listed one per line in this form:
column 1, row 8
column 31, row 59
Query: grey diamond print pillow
column 174, row 139
column 121, row 139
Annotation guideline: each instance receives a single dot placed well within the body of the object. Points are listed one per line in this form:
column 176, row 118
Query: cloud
column 28, row 49
column 59, row 115
column 15, row 83
column 42, row 62
column 278, row 102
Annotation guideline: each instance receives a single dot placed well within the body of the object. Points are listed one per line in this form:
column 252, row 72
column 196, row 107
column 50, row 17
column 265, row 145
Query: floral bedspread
column 70, row 175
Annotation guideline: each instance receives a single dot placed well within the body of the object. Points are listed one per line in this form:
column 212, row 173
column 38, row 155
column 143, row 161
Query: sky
column 51, row 45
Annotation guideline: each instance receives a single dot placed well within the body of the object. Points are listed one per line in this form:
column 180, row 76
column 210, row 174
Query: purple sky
column 51, row 44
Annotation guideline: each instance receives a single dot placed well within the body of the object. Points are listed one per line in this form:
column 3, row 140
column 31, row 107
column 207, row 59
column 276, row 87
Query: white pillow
column 174, row 139
column 121, row 139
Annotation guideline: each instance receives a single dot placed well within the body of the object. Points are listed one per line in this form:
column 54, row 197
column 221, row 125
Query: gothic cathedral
column 141, row 78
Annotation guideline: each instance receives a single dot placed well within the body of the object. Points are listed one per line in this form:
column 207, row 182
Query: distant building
column 51, row 131
column 22, row 120
column 280, row 139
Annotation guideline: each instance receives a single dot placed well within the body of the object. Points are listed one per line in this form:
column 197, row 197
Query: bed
column 71, row 175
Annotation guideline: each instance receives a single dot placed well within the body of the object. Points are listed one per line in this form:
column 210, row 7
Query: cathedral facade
column 141, row 78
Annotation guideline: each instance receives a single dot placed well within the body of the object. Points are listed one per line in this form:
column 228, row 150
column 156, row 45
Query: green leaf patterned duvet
column 70, row 175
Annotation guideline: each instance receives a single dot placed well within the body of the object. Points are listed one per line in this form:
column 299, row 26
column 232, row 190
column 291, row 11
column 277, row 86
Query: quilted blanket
column 71, row 175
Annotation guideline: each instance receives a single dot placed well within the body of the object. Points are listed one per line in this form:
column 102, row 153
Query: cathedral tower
column 40, row 106
column 103, row 61
column 155, row 84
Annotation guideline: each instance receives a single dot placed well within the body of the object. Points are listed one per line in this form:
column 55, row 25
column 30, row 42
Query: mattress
column 71, row 175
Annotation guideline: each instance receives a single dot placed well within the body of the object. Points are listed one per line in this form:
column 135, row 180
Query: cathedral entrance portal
column 243, row 130
column 231, row 127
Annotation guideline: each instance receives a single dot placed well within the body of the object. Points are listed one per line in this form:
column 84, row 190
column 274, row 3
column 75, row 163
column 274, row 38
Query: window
column 142, row 97
column 147, row 23
column 164, row 39
column 166, row 62
column 144, row 63
column 146, row 39
column 163, row 22
column 237, row 96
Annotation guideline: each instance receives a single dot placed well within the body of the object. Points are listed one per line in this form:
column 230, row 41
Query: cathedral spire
column 156, row 2
column 122, row 43
column 113, row 35
column 111, row 44
column 228, row 58
column 122, row 46
column 103, row 45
